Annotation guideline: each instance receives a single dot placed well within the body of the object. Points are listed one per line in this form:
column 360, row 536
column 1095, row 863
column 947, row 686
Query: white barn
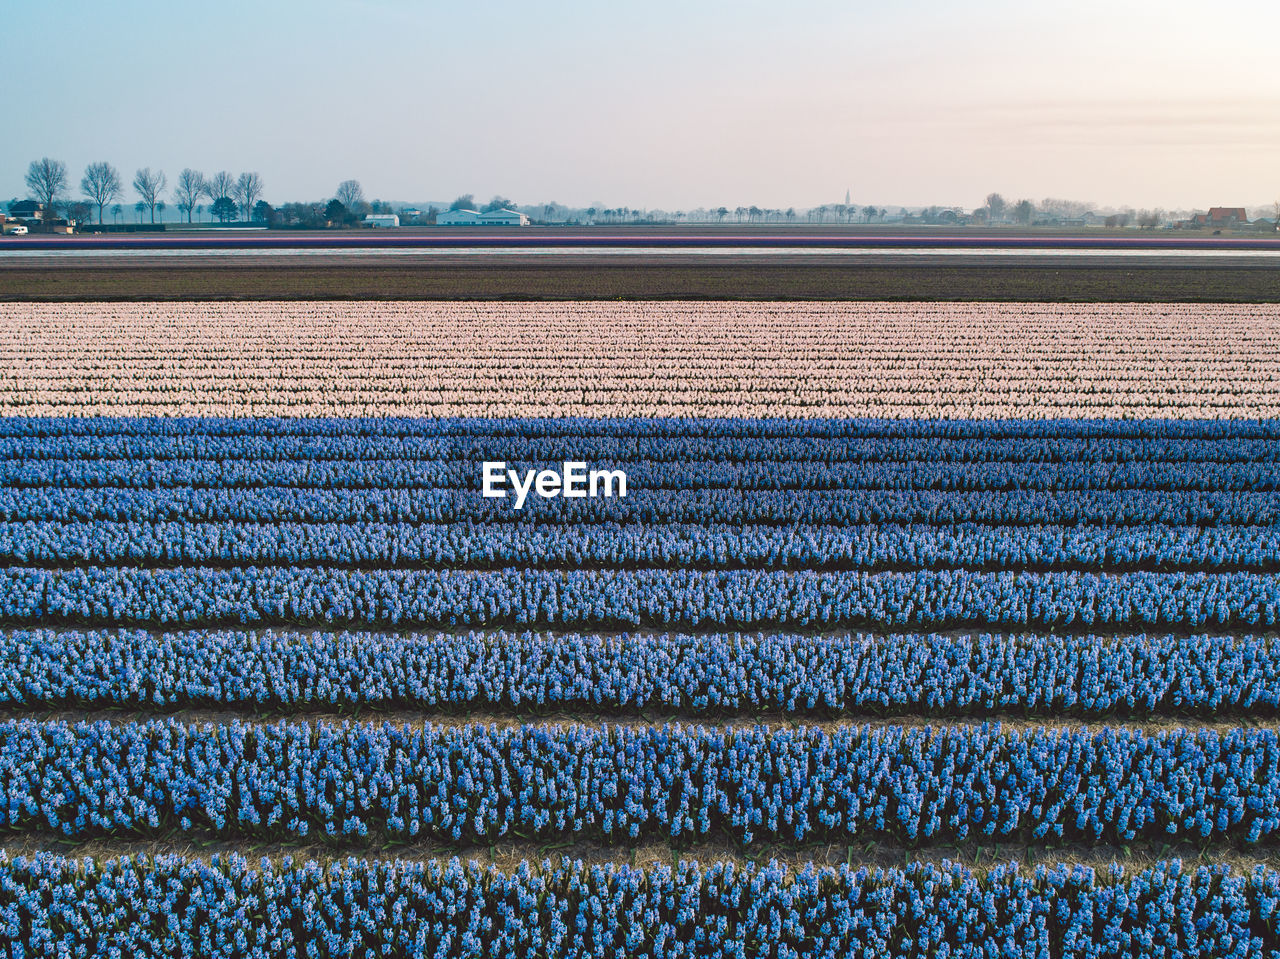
column 381, row 219
column 504, row 218
column 458, row 218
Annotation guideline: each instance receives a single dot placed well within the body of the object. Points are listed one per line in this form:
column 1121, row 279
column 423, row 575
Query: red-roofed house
column 1218, row 216
column 1227, row 216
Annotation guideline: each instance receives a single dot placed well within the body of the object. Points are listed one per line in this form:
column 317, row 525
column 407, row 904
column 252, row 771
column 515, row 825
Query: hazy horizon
column 661, row 105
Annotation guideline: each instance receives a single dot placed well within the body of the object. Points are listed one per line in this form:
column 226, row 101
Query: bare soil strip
column 508, row 855
column 641, row 280
column 1219, row 722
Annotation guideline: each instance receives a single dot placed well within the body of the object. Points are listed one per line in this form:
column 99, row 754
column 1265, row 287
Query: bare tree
column 149, row 186
column 190, row 188
column 1150, row 219
column 349, row 194
column 78, row 211
column 995, row 207
column 248, row 191
column 220, row 186
column 47, row 179
column 101, row 184
column 1066, row 209
column 1022, row 212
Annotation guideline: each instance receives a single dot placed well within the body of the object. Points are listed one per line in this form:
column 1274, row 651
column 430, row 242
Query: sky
column 669, row 104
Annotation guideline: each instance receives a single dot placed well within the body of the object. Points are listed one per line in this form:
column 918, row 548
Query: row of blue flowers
column 621, row 783
column 745, row 428
column 615, row 597
column 717, row 674
column 198, row 442
column 169, row 906
column 464, row 475
column 872, row 547
column 716, row 505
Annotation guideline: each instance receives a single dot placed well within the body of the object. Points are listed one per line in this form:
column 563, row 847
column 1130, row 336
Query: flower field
column 891, row 586
column 948, row 360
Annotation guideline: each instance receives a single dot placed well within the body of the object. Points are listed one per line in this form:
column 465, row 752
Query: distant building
column 26, row 210
column 1227, row 216
column 475, row 218
column 504, row 218
column 1218, row 216
column 381, row 219
column 458, row 218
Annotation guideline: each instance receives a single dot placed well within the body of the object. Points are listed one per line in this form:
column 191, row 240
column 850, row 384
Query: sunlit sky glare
column 659, row 104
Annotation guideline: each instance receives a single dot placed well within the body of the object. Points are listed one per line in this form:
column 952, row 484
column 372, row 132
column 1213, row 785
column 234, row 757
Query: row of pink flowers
column 1017, row 360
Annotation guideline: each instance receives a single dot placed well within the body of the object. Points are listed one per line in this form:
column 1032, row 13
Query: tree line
column 229, row 195
column 233, row 197
column 1026, row 213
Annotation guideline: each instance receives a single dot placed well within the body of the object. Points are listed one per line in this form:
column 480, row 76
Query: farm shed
column 458, row 218
column 381, row 219
column 504, row 218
